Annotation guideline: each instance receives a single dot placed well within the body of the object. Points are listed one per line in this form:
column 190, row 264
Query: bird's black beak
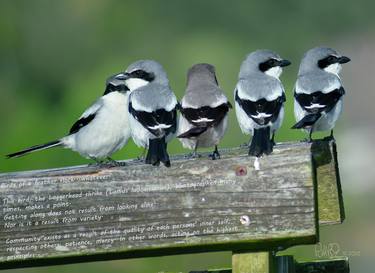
column 122, row 76
column 344, row 60
column 284, row 63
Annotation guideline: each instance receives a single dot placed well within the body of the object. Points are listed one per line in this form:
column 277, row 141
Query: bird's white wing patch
column 262, row 115
column 315, row 105
column 203, row 120
column 160, row 126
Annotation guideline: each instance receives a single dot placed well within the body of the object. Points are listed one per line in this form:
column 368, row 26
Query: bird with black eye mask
column 318, row 93
column 259, row 99
column 152, row 109
column 101, row 130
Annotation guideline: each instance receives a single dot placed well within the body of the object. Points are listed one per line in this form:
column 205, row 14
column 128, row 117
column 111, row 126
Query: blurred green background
column 56, row 55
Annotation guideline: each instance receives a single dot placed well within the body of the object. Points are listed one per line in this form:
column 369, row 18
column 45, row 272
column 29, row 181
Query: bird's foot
column 193, row 155
column 330, row 137
column 307, row 140
column 215, row 155
column 244, row 145
column 113, row 163
column 140, row 158
column 94, row 164
column 97, row 164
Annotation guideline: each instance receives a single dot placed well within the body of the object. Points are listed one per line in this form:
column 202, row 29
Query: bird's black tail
column 157, row 151
column 193, row 132
column 307, row 121
column 261, row 142
column 35, row 148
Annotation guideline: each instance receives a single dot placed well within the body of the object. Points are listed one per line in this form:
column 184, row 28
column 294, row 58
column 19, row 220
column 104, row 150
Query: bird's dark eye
column 272, row 62
column 268, row 64
column 138, row 73
column 141, row 74
column 327, row 61
column 331, row 59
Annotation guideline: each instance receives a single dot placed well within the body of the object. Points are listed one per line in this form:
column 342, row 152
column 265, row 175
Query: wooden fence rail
column 88, row 213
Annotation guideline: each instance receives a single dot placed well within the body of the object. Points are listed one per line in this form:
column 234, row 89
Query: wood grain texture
column 87, row 213
column 257, row 262
column 330, row 200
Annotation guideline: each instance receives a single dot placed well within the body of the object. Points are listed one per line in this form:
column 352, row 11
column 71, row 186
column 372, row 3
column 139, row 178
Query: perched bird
column 101, row 130
column 204, row 110
column 152, row 109
column 259, row 99
column 318, row 93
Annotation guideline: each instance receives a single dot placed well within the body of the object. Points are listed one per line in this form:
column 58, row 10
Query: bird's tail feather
column 157, row 152
column 35, row 148
column 307, row 121
column 261, row 142
column 193, row 132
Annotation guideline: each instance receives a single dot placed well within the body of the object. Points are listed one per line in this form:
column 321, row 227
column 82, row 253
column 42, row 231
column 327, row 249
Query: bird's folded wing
column 206, row 116
column 159, row 122
column 86, row 117
column 261, row 111
column 318, row 101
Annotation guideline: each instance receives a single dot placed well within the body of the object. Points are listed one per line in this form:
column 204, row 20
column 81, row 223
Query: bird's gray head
column 263, row 61
column 144, row 72
column 201, row 72
column 322, row 58
column 116, row 83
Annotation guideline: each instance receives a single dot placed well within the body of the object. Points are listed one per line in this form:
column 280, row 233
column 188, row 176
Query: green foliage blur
column 56, row 55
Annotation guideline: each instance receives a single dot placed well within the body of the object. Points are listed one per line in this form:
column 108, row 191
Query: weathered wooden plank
column 257, row 262
column 87, row 213
column 330, row 201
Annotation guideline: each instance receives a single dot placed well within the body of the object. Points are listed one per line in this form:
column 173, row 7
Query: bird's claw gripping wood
column 215, row 154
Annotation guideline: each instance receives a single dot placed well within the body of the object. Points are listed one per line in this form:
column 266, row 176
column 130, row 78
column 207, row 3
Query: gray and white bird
column 318, row 93
column 259, row 99
column 204, row 110
column 152, row 109
column 101, row 130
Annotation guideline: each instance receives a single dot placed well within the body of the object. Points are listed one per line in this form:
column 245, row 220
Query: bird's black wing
column 206, row 116
column 82, row 122
column 319, row 102
column 255, row 109
column 159, row 122
column 86, row 117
